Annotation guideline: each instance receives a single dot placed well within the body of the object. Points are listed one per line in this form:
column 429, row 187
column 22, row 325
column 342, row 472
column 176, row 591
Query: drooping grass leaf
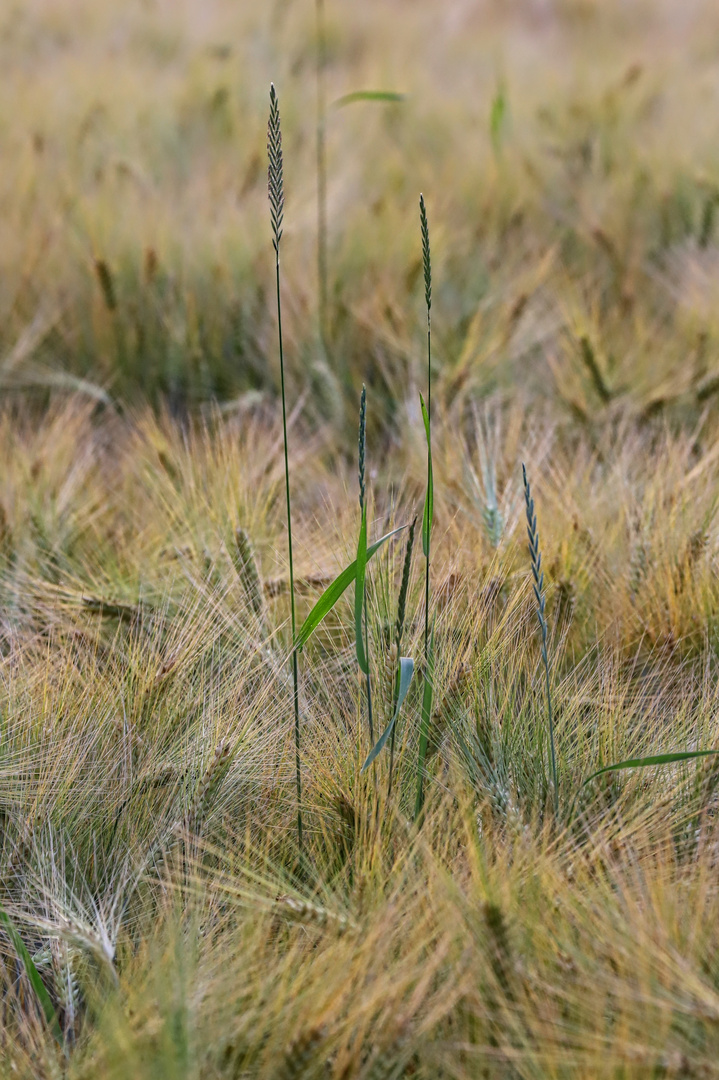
column 361, row 564
column 429, row 496
column 424, row 726
column 386, row 96
column 642, row 763
column 334, row 591
column 33, row 975
column 406, row 671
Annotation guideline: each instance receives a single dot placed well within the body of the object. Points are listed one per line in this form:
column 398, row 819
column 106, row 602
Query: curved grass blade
column 642, row 763
column 385, row 96
column 334, row 591
column 33, row 975
column 429, row 497
column 361, row 564
column 424, row 726
column 406, row 671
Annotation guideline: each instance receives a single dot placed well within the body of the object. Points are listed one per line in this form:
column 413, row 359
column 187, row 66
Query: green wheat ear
column 538, row 575
column 274, row 171
column 426, row 258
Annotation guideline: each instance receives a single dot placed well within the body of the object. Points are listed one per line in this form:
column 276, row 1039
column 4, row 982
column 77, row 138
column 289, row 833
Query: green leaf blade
column 642, row 763
column 406, row 671
column 33, row 975
column 335, row 590
column 386, row 97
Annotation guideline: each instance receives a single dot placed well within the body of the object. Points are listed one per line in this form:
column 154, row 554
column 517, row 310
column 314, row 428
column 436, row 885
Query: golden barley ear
column 247, row 569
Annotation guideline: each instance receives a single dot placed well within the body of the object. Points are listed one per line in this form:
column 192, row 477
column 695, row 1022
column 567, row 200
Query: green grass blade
column 406, row 671
column 429, row 496
column 642, row 763
column 361, row 564
column 33, row 975
column 424, row 726
column 334, row 591
column 497, row 118
column 382, row 96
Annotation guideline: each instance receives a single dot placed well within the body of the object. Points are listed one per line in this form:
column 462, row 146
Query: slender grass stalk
column 399, row 633
column 321, row 170
column 538, row 575
column 362, row 445
column 427, row 523
column 426, row 518
column 427, row 696
column 277, row 205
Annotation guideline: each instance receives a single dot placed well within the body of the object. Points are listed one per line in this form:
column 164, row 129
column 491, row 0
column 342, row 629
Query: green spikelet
column 362, row 444
column 274, row 171
column 404, row 588
column 426, row 257
column 538, row 575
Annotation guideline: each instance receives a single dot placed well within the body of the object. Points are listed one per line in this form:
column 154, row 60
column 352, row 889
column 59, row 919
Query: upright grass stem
column 321, row 171
column 427, row 264
column 538, row 575
column 277, row 204
column 362, row 445
column 428, row 691
column 398, row 635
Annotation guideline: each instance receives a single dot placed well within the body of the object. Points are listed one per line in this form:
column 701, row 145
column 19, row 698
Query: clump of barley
column 207, row 786
column 247, row 568
column 303, row 911
column 297, row 1058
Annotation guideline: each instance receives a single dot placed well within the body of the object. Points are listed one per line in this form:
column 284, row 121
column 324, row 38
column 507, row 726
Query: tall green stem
column 321, row 172
column 362, row 446
column 277, row 202
column 427, row 265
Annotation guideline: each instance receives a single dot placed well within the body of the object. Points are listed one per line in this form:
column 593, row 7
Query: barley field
column 431, row 792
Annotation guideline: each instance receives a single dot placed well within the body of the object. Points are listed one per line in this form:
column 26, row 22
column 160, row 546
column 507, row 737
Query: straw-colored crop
column 512, row 872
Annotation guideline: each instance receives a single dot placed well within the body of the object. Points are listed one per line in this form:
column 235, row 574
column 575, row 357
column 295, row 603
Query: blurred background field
column 568, row 151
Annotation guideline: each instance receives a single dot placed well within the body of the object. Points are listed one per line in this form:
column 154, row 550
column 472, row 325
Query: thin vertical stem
column 399, row 632
column 321, row 172
column 295, row 672
column 427, row 266
column 362, row 496
column 277, row 202
column 426, row 568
